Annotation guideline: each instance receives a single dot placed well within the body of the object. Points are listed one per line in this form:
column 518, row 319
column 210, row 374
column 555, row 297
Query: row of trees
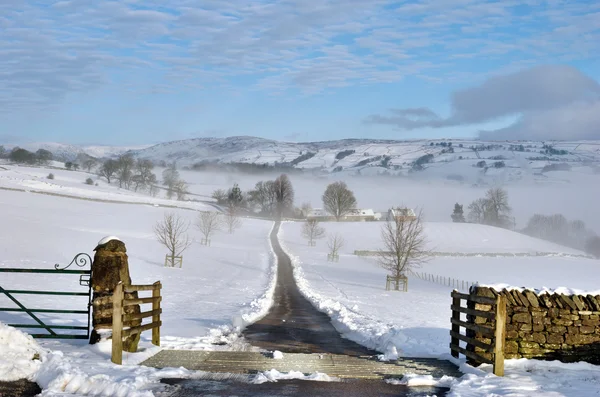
column 558, row 229
column 23, row 156
column 269, row 198
column 493, row 209
column 138, row 175
column 276, row 198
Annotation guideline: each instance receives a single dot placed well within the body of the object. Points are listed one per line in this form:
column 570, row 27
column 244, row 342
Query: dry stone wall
column 546, row 326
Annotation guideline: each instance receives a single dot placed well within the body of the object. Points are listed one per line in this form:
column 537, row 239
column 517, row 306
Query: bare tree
column 312, row 231
column 284, row 194
column 264, row 196
column 335, row 243
column 170, row 178
column 498, row 210
column 232, row 220
column 172, row 233
column 108, row 169
column 208, row 222
column 338, row 200
column 124, row 173
column 181, row 189
column 477, row 210
column 89, row 164
column 220, row 196
column 404, row 244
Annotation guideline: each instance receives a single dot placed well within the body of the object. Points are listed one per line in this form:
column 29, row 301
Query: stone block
column 578, row 302
column 526, row 327
column 512, row 334
column 580, row 339
column 511, row 347
column 573, row 330
column 536, row 337
column 528, row 345
column 555, row 339
column 552, row 346
column 538, row 327
column 562, row 321
column 531, row 298
column 557, row 329
column 584, row 329
column 591, row 323
column 530, row 352
column 522, row 318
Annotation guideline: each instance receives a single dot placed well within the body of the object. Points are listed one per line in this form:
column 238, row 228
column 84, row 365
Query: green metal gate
column 83, row 261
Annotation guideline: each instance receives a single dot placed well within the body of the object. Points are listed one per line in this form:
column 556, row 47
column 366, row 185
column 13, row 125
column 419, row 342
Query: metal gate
column 83, row 261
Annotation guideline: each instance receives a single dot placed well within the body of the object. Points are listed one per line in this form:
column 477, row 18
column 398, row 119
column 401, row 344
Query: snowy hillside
column 453, row 159
column 66, row 152
column 459, row 160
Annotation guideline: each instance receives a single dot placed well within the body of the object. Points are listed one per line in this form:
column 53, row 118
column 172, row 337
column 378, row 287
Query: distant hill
column 67, row 152
column 470, row 161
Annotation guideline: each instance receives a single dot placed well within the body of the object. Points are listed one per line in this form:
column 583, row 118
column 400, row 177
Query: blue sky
column 134, row 72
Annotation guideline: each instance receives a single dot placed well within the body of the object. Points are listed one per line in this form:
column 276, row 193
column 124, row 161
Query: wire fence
column 455, row 283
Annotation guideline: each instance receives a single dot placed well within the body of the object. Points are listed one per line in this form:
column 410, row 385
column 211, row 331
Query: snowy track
column 293, row 324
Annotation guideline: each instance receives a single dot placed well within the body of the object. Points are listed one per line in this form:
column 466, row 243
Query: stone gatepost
column 110, row 267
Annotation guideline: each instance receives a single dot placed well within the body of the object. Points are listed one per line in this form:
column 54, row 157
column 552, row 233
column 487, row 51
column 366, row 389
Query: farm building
column 355, row 215
column 402, row 213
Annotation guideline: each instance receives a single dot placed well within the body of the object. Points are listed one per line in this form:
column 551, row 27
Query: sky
column 130, row 72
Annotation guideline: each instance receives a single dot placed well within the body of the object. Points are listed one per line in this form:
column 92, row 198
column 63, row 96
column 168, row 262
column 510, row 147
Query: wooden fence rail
column 496, row 335
column 121, row 320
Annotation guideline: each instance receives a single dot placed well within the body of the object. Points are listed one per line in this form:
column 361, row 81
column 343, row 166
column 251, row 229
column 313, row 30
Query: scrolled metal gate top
column 81, row 260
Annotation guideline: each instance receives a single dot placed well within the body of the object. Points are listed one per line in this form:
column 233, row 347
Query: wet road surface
column 350, row 388
column 293, row 325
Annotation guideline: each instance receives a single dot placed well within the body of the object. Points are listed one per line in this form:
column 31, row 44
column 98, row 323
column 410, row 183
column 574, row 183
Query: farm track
column 293, row 325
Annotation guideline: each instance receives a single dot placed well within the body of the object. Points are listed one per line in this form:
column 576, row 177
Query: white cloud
column 49, row 52
column 554, row 102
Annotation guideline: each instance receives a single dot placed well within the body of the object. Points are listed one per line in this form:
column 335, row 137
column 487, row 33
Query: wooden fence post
column 156, row 309
column 500, row 335
column 455, row 328
column 117, row 325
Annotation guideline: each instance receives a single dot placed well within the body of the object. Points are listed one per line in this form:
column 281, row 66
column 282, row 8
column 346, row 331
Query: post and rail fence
column 476, row 349
column 120, row 320
column 444, row 280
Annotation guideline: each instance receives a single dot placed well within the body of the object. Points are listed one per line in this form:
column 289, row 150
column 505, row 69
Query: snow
column 17, row 352
column 273, row 376
column 71, row 184
column 107, row 239
column 219, row 289
column 277, row 355
column 222, row 288
column 524, row 378
column 416, row 323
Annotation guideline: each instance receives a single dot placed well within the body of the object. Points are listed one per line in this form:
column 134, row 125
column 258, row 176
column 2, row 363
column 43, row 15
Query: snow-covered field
column 218, row 289
column 72, row 184
column 223, row 287
column 416, row 323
